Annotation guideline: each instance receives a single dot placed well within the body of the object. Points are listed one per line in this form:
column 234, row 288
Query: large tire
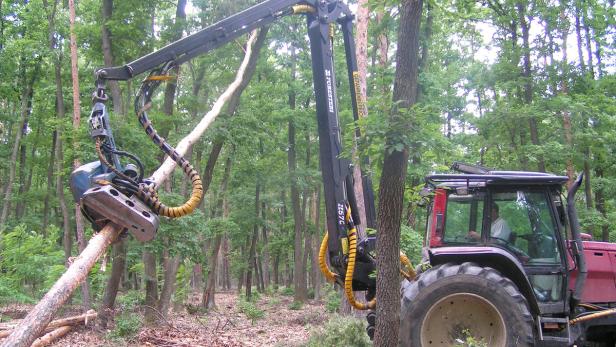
column 453, row 303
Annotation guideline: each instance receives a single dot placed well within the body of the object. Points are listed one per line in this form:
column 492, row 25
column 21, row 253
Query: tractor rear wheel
column 455, row 304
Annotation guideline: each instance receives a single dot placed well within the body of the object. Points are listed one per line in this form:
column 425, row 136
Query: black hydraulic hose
column 579, row 248
column 131, row 156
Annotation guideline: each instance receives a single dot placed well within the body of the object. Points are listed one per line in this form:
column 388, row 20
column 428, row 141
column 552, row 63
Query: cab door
column 526, row 224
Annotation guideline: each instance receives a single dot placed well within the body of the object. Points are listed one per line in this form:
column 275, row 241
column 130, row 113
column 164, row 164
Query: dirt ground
column 224, row 326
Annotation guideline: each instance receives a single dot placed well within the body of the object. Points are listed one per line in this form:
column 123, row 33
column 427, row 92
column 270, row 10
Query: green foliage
column 332, row 300
column 341, row 331
column 411, row 243
column 130, row 300
column 295, row 305
column 30, row 263
column 470, row 341
column 251, row 310
column 287, row 291
column 182, row 283
column 126, row 326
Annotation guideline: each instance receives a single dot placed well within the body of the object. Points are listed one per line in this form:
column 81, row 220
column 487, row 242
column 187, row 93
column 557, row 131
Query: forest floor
column 272, row 320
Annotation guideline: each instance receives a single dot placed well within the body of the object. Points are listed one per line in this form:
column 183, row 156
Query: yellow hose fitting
column 303, row 9
column 330, row 276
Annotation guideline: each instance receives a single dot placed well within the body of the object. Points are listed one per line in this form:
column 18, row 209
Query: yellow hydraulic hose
column 408, row 272
column 330, row 276
column 348, row 279
column 593, row 316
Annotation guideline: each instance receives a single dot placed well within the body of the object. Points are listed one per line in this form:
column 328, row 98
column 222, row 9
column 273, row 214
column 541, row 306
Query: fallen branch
column 74, row 320
column 35, row 322
column 52, row 336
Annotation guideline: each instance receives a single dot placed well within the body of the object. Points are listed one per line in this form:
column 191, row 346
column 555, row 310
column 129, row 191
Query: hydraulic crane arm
column 339, row 196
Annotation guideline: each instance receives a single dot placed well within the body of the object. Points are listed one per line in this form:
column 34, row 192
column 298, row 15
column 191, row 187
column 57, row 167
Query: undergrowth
column 340, row 332
column 251, row 311
column 127, row 325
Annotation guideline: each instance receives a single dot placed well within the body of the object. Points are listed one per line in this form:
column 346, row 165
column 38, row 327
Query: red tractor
column 505, row 265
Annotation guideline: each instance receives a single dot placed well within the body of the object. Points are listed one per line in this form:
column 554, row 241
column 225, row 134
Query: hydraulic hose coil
column 147, row 192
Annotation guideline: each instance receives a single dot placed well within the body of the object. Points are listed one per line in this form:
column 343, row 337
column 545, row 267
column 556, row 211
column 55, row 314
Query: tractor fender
column 494, row 257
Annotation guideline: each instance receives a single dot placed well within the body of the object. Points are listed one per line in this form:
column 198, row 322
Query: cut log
column 74, row 320
column 35, row 322
column 52, row 336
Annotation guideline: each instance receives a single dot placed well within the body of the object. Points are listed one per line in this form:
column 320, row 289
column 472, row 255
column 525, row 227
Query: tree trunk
column 151, row 287
column 225, row 263
column 587, row 185
column 39, row 317
column 600, row 203
column 276, row 272
column 26, row 102
column 528, row 80
column 116, row 95
column 578, row 34
column 588, row 41
column 359, row 178
column 567, row 128
column 111, row 290
column 299, row 283
column 391, row 191
column 316, row 217
column 253, row 243
column 79, row 227
column 50, row 184
column 209, row 291
column 266, row 256
column 208, row 299
column 171, row 270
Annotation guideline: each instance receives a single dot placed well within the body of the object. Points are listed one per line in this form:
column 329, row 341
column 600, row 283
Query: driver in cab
column 499, row 229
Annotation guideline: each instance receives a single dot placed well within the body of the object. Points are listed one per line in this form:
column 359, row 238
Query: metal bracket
column 105, row 203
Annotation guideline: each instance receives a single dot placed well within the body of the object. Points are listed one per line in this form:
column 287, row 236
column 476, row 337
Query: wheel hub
column 463, row 318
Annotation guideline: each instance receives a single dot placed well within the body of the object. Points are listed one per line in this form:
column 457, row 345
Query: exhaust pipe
column 578, row 249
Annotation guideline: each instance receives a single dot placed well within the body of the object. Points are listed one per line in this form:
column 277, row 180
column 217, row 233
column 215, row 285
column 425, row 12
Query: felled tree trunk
column 39, row 317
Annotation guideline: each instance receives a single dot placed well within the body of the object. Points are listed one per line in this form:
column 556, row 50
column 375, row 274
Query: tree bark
column 79, row 227
column 266, row 257
column 210, row 289
column 40, row 316
column 111, row 290
column 391, row 187
column 50, row 184
column 253, row 243
column 151, row 286
column 74, row 320
column 171, row 271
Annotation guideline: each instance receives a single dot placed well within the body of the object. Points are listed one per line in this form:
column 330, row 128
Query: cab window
column 464, row 214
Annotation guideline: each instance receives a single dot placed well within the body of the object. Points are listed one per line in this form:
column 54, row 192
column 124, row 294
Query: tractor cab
column 512, row 221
